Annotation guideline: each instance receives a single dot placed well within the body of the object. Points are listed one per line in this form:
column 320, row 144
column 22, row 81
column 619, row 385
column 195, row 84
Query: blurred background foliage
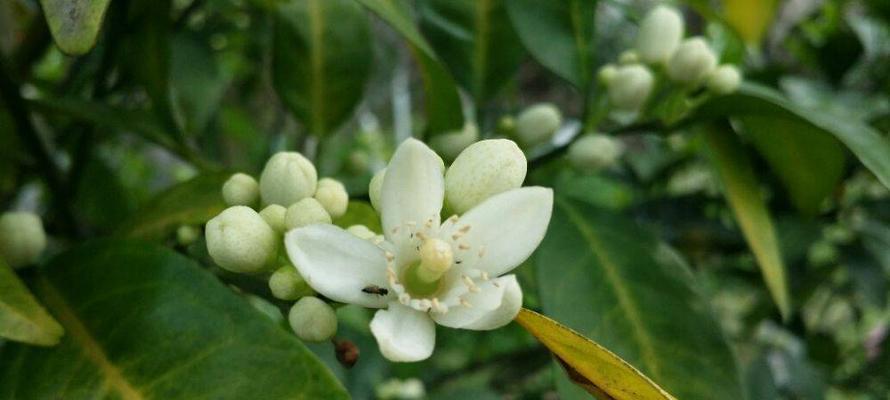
column 185, row 90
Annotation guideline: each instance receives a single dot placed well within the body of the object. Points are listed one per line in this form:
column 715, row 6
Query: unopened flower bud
column 375, row 187
column 187, row 234
column 241, row 190
column 628, row 57
column 660, row 33
column 312, row 319
column 507, row 125
column 286, row 284
column 692, row 62
column 725, row 79
column 239, row 240
column 595, row 151
column 450, row 144
column 332, row 196
column 274, row 215
column 22, row 238
column 361, row 231
column 606, row 73
column 306, row 212
column 287, row 178
column 484, row 169
column 630, row 87
column 538, row 123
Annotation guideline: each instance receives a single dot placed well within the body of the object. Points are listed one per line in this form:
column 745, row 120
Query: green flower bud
column 274, row 215
column 286, row 284
column 538, row 123
column 725, row 79
column 332, row 196
column 362, row 232
column 306, row 212
column 630, row 87
column 239, row 240
column 692, row 62
column 660, row 33
column 241, row 190
column 484, row 169
column 187, row 234
column 507, row 125
column 450, row 144
column 607, row 73
column 22, row 238
column 628, row 57
column 287, row 178
column 312, row 319
column 374, row 188
column 595, row 151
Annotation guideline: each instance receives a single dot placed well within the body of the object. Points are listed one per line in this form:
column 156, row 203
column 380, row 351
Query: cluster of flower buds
column 244, row 240
column 660, row 46
column 22, row 238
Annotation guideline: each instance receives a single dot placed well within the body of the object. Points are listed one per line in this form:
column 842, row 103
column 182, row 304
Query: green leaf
column 441, row 98
column 750, row 18
column 559, row 34
column 616, row 284
column 744, row 198
column 869, row 145
column 144, row 322
column 74, row 24
column 193, row 202
column 21, row 316
column 109, row 117
column 321, row 59
column 196, row 81
column 360, row 213
column 810, row 162
column 476, row 41
column 590, row 365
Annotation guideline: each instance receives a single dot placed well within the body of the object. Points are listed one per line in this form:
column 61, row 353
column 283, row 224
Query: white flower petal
column 337, row 264
column 404, row 334
column 504, row 229
column 480, row 303
column 510, row 305
column 413, row 189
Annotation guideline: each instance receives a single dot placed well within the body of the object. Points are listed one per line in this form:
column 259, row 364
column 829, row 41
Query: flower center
column 436, row 258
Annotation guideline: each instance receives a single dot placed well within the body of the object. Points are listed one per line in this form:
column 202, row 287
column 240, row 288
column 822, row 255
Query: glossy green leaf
column 590, row 365
column 143, row 322
column 321, row 59
column 193, row 202
column 74, row 24
column 559, row 34
column 615, row 283
column 441, row 98
column 743, row 195
column 476, row 41
column 22, row 318
column 869, row 145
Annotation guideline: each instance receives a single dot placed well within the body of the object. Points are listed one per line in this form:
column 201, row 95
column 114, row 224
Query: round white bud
column 286, row 284
column 187, row 234
column 450, row 144
column 241, row 190
column 312, row 319
column 375, row 187
column 22, row 238
column 361, row 231
column 484, row 169
column 538, row 123
column 332, row 196
column 725, row 79
column 630, row 87
column 660, row 33
column 306, row 212
column 692, row 62
column 287, row 178
column 274, row 215
column 607, row 73
column 628, row 57
column 239, row 240
column 595, row 151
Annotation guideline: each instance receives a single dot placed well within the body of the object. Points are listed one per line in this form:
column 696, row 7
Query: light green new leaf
column 74, row 24
column 595, row 368
column 144, row 322
column 441, row 98
column 750, row 18
column 193, row 202
column 476, row 41
column 321, row 59
column 559, row 34
column 870, row 146
column 744, row 198
column 614, row 282
column 21, row 317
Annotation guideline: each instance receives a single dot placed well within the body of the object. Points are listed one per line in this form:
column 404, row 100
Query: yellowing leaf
column 750, row 18
column 22, row 318
column 591, row 366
